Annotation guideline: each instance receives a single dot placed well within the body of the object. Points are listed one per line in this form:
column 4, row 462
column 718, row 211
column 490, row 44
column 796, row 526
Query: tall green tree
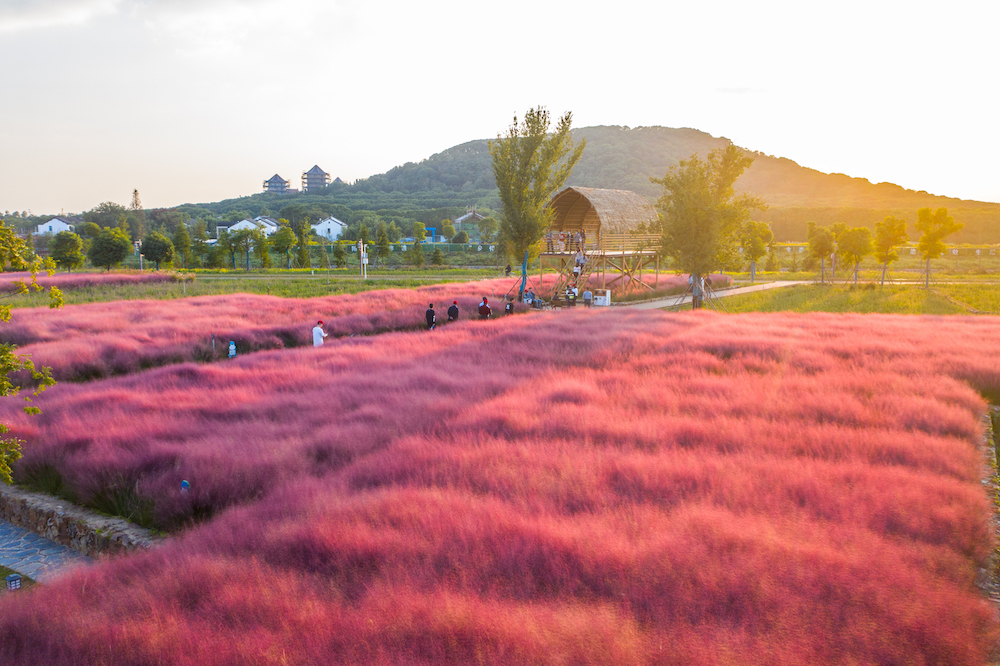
column 419, row 232
column 854, row 245
column 755, row 239
column 110, row 248
column 182, row 244
column 890, row 233
column 702, row 214
column 136, row 217
column 529, row 165
column 14, row 254
column 243, row 239
column 66, row 249
column 302, row 245
column 417, row 255
column 382, row 246
column 936, row 226
column 821, row 246
column 158, row 248
column 261, row 248
column 488, row 228
column 199, row 241
column 339, row 255
column 227, row 243
column 284, row 240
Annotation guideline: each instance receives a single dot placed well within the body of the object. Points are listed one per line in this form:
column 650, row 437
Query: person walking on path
column 318, row 334
column 484, row 309
column 431, row 317
column 453, row 311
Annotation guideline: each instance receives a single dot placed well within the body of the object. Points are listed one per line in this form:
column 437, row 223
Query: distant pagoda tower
column 276, row 184
column 315, row 179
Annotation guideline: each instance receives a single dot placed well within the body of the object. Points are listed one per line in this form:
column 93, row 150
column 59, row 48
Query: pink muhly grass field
column 8, row 281
column 587, row 487
column 95, row 340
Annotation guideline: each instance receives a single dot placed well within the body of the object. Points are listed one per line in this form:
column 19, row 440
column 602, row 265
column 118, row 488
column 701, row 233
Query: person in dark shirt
column 508, row 308
column 431, row 318
column 484, row 309
column 453, row 311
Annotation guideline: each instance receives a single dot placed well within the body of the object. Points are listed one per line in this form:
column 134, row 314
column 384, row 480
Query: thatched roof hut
column 596, row 211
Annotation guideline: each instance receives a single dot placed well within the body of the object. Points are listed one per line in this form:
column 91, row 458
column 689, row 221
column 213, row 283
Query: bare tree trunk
column 883, row 275
column 927, row 276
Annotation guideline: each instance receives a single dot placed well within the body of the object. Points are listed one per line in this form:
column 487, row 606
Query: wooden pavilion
column 608, row 226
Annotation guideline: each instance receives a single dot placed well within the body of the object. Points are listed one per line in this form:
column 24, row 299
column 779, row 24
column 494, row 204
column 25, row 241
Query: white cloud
column 27, row 15
column 226, row 29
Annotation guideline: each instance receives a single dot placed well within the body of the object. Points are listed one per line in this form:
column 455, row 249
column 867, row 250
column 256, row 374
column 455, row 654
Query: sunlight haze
column 198, row 101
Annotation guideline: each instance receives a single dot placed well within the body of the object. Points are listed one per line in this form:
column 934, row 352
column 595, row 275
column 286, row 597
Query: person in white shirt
column 318, row 334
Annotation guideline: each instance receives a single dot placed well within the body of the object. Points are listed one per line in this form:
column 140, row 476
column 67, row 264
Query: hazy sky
column 201, row 100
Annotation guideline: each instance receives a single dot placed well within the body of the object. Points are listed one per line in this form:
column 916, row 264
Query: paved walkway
column 672, row 301
column 34, row 556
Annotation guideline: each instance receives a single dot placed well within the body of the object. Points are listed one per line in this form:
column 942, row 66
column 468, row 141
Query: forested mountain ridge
column 626, row 158
column 446, row 183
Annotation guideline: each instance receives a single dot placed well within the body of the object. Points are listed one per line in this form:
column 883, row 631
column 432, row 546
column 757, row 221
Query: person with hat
column 484, row 309
column 318, row 334
column 453, row 311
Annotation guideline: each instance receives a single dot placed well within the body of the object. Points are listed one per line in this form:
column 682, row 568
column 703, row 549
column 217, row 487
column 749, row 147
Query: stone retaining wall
column 82, row 530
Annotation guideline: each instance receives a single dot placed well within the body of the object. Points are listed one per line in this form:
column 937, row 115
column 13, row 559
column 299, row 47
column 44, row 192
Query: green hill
column 625, row 158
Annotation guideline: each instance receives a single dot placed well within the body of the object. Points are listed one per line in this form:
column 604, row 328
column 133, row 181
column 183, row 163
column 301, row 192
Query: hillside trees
column 106, row 214
column 890, row 233
column 529, row 165
column 755, row 239
column 854, row 245
column 109, row 248
column 66, row 249
column 936, row 226
column 702, row 214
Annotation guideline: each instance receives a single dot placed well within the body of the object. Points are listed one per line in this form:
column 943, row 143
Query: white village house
column 57, row 224
column 329, row 228
column 267, row 225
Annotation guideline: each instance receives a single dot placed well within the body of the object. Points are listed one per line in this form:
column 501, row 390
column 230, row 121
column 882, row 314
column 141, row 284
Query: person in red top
column 484, row 309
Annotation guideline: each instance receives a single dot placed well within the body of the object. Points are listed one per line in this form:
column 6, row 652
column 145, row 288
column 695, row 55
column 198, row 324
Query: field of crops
column 581, row 487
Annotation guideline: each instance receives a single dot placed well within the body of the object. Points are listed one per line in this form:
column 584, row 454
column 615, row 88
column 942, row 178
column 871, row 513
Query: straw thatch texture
column 597, row 210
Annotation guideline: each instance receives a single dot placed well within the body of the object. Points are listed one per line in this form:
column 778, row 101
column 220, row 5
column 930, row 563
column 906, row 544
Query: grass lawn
column 210, row 285
column 26, row 582
column 862, row 299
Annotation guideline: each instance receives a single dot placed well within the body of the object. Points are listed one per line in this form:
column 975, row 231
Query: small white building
column 57, row 224
column 266, row 225
column 329, row 228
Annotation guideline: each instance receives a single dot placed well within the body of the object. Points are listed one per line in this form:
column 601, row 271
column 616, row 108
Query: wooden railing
column 627, row 242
